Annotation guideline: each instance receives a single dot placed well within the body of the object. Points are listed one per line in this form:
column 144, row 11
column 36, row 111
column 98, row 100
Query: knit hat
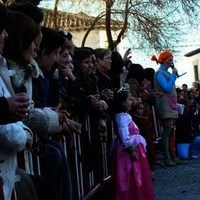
column 162, row 57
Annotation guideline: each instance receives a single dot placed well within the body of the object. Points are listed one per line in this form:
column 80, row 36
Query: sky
column 190, row 42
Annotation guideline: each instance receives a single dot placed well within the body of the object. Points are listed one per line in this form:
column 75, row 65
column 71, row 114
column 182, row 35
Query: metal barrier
column 88, row 158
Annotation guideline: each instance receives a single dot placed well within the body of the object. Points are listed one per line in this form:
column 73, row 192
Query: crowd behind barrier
column 92, row 108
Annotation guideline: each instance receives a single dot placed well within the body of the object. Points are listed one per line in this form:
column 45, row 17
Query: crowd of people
column 45, row 80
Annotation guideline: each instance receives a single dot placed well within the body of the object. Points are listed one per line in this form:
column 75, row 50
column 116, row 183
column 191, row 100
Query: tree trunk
column 55, row 15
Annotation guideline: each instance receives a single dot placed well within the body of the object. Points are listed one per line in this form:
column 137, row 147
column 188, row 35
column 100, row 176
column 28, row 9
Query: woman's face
column 38, row 40
column 30, row 53
column 168, row 62
column 3, row 36
column 105, row 63
column 87, row 65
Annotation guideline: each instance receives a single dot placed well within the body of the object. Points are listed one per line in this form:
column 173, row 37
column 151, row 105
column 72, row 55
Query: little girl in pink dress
column 131, row 177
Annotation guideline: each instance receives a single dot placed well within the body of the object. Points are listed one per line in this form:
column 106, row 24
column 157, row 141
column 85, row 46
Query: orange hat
column 162, row 57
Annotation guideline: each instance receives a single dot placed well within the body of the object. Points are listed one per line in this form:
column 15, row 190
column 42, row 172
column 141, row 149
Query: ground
column 181, row 182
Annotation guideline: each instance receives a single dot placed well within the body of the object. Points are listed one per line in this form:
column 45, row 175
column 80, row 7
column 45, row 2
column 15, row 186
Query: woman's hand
column 107, row 93
column 127, row 55
column 19, row 106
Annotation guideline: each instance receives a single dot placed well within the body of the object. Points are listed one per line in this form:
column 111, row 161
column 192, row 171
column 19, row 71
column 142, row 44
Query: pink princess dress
column 131, row 179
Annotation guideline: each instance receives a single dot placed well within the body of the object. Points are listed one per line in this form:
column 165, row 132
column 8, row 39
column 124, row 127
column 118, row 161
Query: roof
column 192, row 53
column 79, row 21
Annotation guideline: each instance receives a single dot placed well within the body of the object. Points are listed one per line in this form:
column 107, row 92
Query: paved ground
column 181, row 182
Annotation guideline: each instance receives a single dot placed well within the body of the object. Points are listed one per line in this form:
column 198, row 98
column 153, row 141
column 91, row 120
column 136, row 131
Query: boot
column 169, row 163
column 178, row 161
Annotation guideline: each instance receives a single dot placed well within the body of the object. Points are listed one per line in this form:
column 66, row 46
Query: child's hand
column 134, row 156
column 102, row 105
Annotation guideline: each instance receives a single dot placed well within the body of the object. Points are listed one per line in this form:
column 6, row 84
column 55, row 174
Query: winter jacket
column 13, row 138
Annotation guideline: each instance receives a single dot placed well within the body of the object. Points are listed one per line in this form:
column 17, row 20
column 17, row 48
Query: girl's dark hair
column 2, row 17
column 101, row 52
column 65, row 46
column 119, row 98
column 22, row 31
column 51, row 40
column 81, row 54
column 29, row 10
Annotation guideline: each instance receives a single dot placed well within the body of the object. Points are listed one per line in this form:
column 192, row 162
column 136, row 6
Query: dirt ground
column 181, row 182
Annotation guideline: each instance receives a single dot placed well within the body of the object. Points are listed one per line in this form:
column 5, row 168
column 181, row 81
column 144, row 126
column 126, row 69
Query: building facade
column 194, row 57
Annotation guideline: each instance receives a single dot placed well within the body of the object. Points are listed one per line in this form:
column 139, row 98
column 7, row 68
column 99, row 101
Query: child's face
column 127, row 104
column 140, row 110
column 66, row 59
column 87, row 65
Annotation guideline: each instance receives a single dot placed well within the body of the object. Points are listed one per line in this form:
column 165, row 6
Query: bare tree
column 156, row 24
column 153, row 24
column 55, row 14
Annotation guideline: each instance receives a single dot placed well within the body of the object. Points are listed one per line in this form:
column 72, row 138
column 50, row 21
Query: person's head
column 136, row 71
column 29, row 10
column 94, row 60
column 22, row 32
column 3, row 33
column 139, row 109
column 69, row 40
column 65, row 58
column 122, row 101
column 179, row 92
column 190, row 94
column 184, row 87
column 49, row 48
column 103, row 57
column 33, row 12
column 83, row 59
column 165, row 57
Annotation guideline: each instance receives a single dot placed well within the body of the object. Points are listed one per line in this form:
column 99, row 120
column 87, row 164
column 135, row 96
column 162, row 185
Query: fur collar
column 21, row 73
